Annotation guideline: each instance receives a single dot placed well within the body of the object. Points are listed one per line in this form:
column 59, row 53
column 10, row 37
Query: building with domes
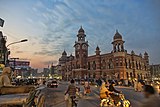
column 118, row 64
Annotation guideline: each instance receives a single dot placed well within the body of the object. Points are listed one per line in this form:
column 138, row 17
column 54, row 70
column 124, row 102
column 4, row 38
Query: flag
column 1, row 22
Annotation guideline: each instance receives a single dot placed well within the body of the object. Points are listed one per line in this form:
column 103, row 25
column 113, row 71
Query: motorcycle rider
column 104, row 92
column 115, row 97
column 112, row 89
column 86, row 88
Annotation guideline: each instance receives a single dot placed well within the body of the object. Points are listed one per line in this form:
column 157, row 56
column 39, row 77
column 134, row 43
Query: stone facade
column 118, row 64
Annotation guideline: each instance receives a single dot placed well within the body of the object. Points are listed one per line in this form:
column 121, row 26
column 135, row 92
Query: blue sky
column 51, row 26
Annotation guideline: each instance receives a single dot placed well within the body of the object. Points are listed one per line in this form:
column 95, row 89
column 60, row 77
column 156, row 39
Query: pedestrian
column 151, row 100
column 136, row 85
column 139, row 89
column 156, row 87
column 71, row 91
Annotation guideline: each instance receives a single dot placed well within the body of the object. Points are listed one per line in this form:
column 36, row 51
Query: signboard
column 1, row 22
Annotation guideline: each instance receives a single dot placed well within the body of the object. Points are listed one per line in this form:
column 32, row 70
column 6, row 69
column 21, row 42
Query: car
column 52, row 84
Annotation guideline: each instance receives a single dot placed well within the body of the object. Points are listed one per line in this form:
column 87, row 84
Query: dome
column 71, row 57
column 81, row 30
column 117, row 35
column 146, row 54
column 140, row 55
column 132, row 52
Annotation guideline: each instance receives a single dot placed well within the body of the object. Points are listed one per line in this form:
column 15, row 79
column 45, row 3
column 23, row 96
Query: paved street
column 55, row 96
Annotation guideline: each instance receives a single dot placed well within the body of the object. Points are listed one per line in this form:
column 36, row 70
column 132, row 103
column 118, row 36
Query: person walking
column 135, row 85
column 151, row 100
column 139, row 88
column 71, row 91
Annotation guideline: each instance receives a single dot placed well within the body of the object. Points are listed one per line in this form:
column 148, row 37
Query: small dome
column 81, row 30
column 71, row 57
column 117, row 35
column 132, row 52
column 146, row 54
column 140, row 55
column 64, row 53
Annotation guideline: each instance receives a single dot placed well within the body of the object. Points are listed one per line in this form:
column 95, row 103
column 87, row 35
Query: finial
column 116, row 30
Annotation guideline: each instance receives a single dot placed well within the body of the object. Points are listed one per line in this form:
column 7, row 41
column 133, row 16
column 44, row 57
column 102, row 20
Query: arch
column 139, row 65
column 131, row 75
column 103, row 64
column 89, row 66
column 118, row 47
column 127, row 75
column 126, row 63
column 129, row 63
column 94, row 65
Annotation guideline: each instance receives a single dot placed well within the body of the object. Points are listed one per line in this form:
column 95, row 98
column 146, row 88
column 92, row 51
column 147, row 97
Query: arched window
column 129, row 64
column 94, row 65
column 126, row 63
column 103, row 64
column 131, row 75
column 89, row 66
column 136, row 65
column 139, row 65
column 127, row 75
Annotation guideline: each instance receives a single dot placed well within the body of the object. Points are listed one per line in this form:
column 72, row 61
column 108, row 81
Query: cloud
column 19, row 51
column 53, row 25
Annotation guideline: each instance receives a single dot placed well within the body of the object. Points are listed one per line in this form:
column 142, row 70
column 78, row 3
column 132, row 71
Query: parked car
column 52, row 84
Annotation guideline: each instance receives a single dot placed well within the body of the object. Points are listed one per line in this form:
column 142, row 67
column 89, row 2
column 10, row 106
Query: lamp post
column 6, row 53
column 24, row 40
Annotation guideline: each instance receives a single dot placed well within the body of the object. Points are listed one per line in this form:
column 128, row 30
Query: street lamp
column 24, row 40
column 6, row 53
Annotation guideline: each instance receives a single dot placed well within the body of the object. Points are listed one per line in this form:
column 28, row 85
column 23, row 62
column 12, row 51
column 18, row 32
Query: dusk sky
column 52, row 25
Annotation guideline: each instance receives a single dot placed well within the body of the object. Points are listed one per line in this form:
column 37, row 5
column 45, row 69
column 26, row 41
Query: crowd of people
column 152, row 99
column 107, row 89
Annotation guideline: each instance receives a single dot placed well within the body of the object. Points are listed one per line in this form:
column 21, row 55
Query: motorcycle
column 107, row 102
column 115, row 100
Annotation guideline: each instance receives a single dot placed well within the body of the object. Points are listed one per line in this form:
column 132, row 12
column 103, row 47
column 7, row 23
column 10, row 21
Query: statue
column 7, row 88
column 5, row 77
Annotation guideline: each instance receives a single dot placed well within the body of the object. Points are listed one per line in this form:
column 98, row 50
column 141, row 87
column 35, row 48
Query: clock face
column 84, row 46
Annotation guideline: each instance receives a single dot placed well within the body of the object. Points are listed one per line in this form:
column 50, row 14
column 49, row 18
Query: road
column 55, row 96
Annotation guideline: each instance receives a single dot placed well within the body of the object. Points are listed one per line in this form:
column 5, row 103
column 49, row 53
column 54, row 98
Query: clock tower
column 81, row 50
